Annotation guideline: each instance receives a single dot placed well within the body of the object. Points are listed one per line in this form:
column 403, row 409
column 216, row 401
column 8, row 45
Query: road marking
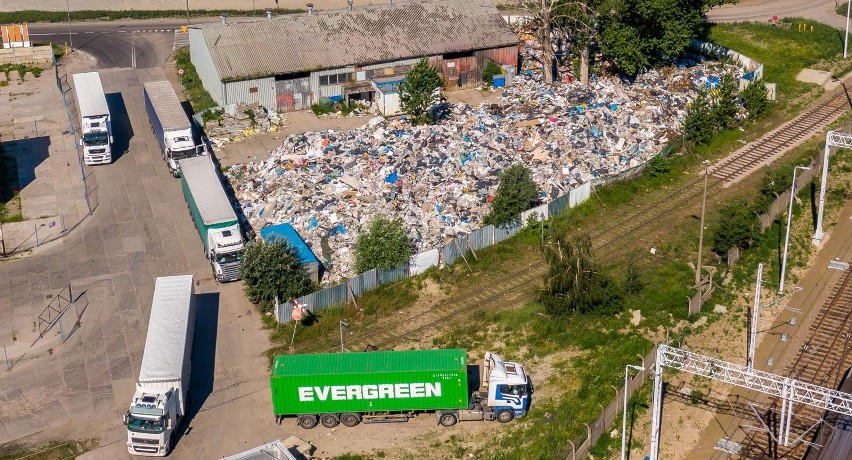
column 120, row 31
column 88, row 32
column 60, row 33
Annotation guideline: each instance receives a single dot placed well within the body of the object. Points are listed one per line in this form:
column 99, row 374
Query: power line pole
column 701, row 232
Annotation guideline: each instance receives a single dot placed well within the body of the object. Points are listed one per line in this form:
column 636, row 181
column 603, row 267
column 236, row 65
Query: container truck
column 170, row 125
column 95, row 123
column 214, row 217
column 390, row 386
column 159, row 404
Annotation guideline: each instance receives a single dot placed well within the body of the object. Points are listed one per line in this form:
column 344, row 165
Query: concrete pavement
column 139, row 231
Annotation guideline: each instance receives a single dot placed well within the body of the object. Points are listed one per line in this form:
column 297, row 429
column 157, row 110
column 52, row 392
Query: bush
column 698, row 124
column 755, row 101
column 383, row 245
column 516, row 193
column 420, row 90
column 725, row 107
column 574, row 283
column 491, row 69
column 736, row 225
column 273, row 268
column 658, row 166
column 198, row 97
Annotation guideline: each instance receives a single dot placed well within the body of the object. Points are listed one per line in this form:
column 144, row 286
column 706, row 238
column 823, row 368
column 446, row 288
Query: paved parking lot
column 140, row 230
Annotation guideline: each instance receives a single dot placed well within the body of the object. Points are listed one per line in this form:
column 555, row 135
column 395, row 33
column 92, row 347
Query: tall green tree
column 383, row 245
column 574, row 283
column 420, row 90
column 755, row 100
column 637, row 34
column 725, row 107
column 735, row 225
column 516, row 193
column 698, row 125
column 273, row 268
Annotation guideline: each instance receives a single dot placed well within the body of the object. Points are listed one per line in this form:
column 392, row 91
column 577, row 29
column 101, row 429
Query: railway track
column 637, row 226
column 822, row 360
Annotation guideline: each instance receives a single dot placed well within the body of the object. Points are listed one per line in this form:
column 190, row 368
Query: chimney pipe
column 310, row 9
column 350, row 4
column 224, row 19
column 269, row 13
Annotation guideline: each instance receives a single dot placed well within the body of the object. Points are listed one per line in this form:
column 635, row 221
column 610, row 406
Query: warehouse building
column 290, row 62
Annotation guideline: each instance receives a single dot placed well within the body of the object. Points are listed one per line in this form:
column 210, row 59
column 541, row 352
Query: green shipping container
column 378, row 381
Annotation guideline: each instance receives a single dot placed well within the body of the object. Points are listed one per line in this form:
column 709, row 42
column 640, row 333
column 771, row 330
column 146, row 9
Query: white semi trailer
column 160, row 403
column 170, row 124
column 95, row 122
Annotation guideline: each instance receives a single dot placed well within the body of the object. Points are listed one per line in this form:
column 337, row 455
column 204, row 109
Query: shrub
column 273, row 269
column 516, row 193
column 736, row 225
column 384, row 245
column 755, row 100
column 491, row 69
column 698, row 124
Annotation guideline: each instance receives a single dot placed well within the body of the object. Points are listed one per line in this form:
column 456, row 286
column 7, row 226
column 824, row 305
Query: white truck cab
column 151, row 422
column 226, row 252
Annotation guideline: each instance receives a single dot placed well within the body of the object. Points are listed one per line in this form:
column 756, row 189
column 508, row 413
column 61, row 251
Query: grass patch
column 783, row 50
column 10, row 200
column 55, row 450
column 10, row 17
column 198, row 97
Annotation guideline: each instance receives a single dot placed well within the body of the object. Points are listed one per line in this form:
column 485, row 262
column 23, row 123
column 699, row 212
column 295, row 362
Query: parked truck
column 214, row 217
column 159, row 404
column 389, row 386
column 170, row 125
column 95, row 123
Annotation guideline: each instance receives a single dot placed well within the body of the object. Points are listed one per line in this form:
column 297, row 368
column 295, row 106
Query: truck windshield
column 183, row 154
column 146, row 425
column 229, row 258
column 96, row 138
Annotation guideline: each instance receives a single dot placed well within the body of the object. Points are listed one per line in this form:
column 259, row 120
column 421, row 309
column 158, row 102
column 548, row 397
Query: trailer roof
column 89, row 84
column 452, row 360
column 171, row 311
column 167, row 105
column 207, row 190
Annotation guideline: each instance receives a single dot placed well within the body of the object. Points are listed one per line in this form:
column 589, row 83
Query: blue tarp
column 288, row 233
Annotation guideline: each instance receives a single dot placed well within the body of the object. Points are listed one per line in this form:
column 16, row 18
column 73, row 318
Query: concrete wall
column 203, row 62
column 29, row 55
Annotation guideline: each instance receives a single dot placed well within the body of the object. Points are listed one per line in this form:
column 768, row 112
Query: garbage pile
column 440, row 179
column 247, row 120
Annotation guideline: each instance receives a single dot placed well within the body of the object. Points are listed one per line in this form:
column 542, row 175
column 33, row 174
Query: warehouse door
column 293, row 94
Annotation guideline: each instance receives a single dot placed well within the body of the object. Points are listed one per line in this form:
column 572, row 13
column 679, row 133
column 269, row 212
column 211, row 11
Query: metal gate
column 292, row 95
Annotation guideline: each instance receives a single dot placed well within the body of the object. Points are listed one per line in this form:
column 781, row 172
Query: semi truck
column 160, row 401
column 170, row 125
column 95, row 123
column 214, row 217
column 391, row 386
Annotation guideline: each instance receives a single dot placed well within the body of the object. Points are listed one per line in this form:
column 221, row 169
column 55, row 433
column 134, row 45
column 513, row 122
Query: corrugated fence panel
column 363, row 282
column 504, row 233
column 541, row 213
column 421, row 262
column 391, row 275
column 580, row 194
column 482, row 238
column 449, row 253
column 559, row 204
column 335, row 295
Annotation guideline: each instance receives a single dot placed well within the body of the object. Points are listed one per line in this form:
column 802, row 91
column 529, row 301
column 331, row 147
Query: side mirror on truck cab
column 126, row 414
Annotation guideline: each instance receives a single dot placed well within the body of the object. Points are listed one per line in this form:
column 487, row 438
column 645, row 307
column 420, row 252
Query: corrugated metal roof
column 289, row 234
column 452, row 360
column 203, row 180
column 167, row 105
column 378, row 33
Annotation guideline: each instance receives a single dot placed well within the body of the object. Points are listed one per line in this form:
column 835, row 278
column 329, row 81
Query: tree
column 383, row 245
column 420, row 91
column 725, row 108
column 736, row 225
column 273, row 268
column 574, row 283
column 636, row 34
column 516, row 193
column 569, row 20
column 698, row 124
column 755, row 100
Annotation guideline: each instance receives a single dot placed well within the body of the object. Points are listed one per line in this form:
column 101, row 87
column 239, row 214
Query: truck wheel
column 329, row 420
column 448, row 419
column 307, row 421
column 350, row 419
column 505, row 416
